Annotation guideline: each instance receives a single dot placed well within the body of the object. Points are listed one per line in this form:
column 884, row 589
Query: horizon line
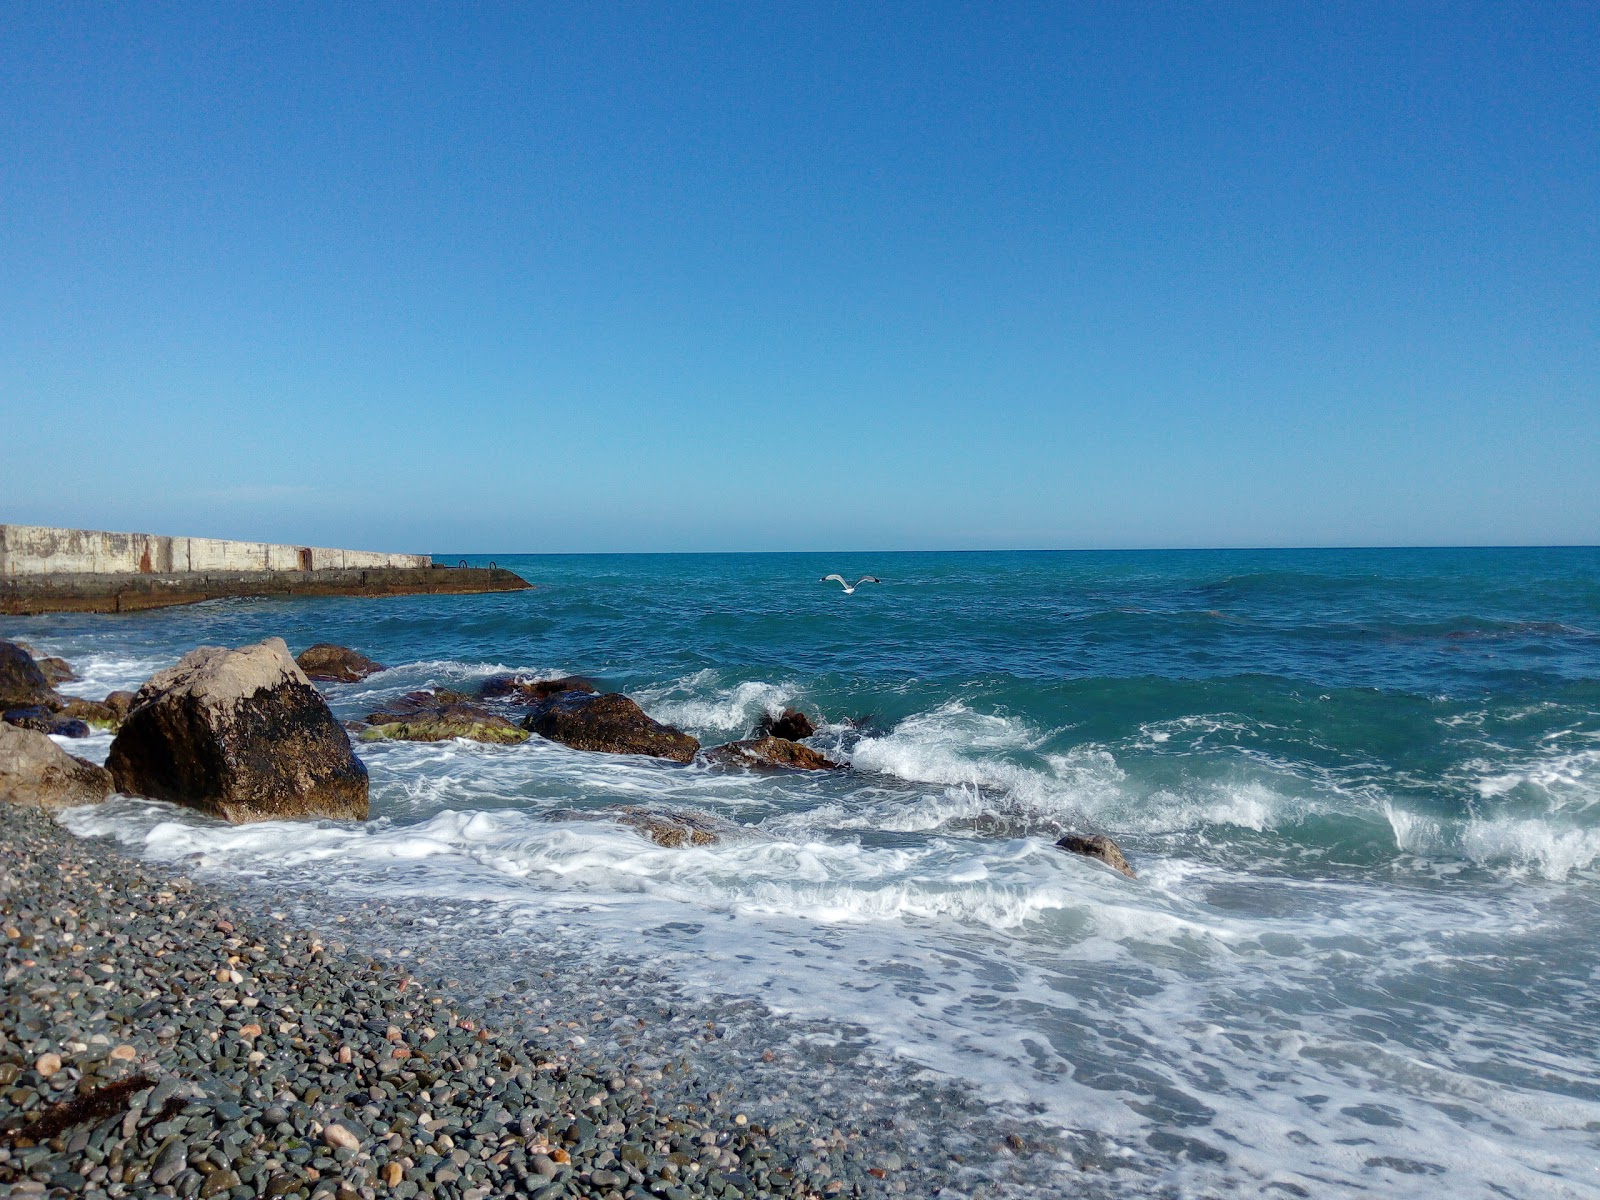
column 1042, row 550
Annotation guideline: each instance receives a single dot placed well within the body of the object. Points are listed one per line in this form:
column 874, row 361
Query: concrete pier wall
column 33, row 550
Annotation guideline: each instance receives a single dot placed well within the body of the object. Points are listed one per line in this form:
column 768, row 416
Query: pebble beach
column 164, row 1036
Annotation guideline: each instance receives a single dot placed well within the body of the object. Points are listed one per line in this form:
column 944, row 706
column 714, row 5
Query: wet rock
column 791, row 724
column 771, row 752
column 521, row 690
column 55, row 670
column 37, row 772
column 336, row 664
column 241, row 735
column 94, row 713
column 438, row 717
column 22, row 683
column 42, row 720
column 610, row 723
column 1099, row 846
column 670, row 827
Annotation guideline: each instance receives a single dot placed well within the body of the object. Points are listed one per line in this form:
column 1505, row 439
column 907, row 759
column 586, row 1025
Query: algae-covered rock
column 438, row 717
column 610, row 723
column 37, row 772
column 771, row 752
column 241, row 735
column 94, row 713
column 336, row 664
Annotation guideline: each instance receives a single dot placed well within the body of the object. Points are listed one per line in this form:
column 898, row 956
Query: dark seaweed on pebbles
column 163, row 1037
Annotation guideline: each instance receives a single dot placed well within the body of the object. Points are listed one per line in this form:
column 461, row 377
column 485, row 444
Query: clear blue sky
column 528, row 277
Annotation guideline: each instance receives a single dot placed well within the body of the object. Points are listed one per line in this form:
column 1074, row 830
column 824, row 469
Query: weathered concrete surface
column 20, row 596
column 45, row 550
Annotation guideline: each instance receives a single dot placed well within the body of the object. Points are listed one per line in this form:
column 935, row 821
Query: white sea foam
column 725, row 709
column 1237, row 1004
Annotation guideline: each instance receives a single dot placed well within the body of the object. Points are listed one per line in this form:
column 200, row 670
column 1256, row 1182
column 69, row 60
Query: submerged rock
column 522, row 690
column 791, row 724
column 37, row 772
column 438, row 717
column 241, row 735
column 670, row 827
column 610, row 723
column 771, row 752
column 665, row 827
column 336, row 664
column 22, row 683
column 1099, row 846
column 42, row 720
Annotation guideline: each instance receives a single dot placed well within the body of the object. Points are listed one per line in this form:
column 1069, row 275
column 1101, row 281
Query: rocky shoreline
column 162, row 1036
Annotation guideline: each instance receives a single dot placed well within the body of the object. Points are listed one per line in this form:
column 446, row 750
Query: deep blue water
column 1361, row 789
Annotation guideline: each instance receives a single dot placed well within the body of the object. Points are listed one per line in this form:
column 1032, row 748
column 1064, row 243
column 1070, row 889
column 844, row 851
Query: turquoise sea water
column 1361, row 789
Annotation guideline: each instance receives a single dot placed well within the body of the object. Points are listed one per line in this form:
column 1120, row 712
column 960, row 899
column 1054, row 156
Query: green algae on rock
column 440, row 716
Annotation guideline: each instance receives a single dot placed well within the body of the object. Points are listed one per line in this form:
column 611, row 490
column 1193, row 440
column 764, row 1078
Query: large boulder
column 438, row 717
column 37, row 772
column 610, row 723
column 791, row 724
column 336, row 664
column 22, row 683
column 521, row 690
column 771, row 752
column 1097, row 845
column 241, row 735
column 42, row 720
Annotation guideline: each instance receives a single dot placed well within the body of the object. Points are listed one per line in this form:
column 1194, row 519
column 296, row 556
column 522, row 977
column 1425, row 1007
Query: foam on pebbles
column 164, row 1037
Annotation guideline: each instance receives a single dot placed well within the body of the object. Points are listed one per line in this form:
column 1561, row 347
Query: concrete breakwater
column 27, row 550
column 44, row 569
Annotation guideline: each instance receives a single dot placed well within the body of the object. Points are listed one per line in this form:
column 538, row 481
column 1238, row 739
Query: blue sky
column 529, row 277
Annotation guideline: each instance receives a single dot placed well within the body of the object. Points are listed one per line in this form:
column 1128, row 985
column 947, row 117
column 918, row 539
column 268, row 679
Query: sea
column 1360, row 790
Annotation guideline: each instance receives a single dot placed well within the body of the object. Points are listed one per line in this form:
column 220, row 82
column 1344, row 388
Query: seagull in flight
column 849, row 588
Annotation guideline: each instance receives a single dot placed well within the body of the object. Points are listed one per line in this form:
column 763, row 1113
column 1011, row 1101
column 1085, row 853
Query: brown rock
column 55, row 670
column 35, row 771
column 1099, row 846
column 22, row 683
column 336, row 664
column 120, row 703
column 610, row 723
column 771, row 752
column 521, row 690
column 791, row 724
column 241, row 735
